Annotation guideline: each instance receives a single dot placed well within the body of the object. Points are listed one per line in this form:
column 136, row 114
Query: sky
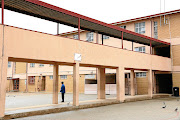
column 108, row 11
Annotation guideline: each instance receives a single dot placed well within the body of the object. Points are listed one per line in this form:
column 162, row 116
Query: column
column 132, row 83
column 154, row 82
column 3, row 79
column 150, row 83
column 55, row 83
column 97, row 38
column 120, row 83
column 76, row 84
column 101, row 82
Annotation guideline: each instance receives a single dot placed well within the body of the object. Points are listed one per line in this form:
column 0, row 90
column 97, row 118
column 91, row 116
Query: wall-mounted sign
column 77, row 57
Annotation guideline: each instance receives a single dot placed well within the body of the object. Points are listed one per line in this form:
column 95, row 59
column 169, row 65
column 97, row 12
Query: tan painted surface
column 66, row 48
column 132, row 76
column 176, row 80
column 76, row 84
column 176, row 55
column 55, row 83
column 142, row 85
column 120, row 82
column 101, row 81
column 20, row 68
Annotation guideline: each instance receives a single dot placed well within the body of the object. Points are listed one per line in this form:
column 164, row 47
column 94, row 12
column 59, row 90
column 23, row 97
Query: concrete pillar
column 55, row 83
column 76, row 84
column 150, row 83
column 101, row 82
column 3, row 79
column 120, row 83
column 132, row 83
column 154, row 82
column 97, row 38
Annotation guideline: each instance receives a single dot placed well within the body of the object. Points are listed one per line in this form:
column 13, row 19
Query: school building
column 162, row 26
column 137, row 56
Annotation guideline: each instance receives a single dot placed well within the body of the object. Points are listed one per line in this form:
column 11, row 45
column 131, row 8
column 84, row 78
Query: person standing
column 62, row 91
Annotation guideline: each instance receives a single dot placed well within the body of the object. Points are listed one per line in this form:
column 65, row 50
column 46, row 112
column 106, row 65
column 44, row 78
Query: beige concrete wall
column 142, row 85
column 21, row 45
column 20, row 68
column 176, row 80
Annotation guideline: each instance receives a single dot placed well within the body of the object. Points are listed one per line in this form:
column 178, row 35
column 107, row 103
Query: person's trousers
column 62, row 97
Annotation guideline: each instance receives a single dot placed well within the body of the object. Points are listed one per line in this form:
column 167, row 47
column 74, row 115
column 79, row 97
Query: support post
column 120, row 83
column 55, row 83
column 79, row 28
column 57, row 28
column 26, row 77
column 122, row 39
column 101, row 82
column 76, row 84
column 2, row 6
column 132, row 83
column 3, row 79
column 150, row 84
column 102, row 39
column 97, row 38
column 132, row 46
column 150, row 47
column 154, row 82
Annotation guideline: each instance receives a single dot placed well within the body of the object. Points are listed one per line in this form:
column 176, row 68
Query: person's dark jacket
column 62, row 89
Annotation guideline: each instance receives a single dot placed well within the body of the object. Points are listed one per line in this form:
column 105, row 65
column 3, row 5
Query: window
column 124, row 27
column 32, row 64
column 63, row 76
column 41, row 65
column 140, row 27
column 105, row 37
column 89, row 36
column 31, row 79
column 141, row 74
column 140, row 49
column 9, row 64
column 76, row 36
column 51, row 77
column 51, row 65
column 155, row 30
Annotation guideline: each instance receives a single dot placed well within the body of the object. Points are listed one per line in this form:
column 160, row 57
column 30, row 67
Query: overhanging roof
column 49, row 12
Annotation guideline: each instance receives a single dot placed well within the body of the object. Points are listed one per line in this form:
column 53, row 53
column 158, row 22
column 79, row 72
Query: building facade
column 159, row 26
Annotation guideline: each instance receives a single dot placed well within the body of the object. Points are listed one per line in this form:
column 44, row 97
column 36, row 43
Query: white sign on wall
column 77, row 57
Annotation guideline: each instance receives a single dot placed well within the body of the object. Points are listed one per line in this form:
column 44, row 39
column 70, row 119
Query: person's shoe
column 62, row 101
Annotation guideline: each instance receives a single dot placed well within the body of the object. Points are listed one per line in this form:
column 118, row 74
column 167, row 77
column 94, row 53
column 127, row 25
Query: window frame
column 32, row 65
column 31, row 80
column 41, row 65
column 62, row 77
column 139, row 27
column 90, row 36
column 9, row 64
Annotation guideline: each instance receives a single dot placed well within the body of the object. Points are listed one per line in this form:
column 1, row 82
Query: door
column 16, row 85
column 43, row 83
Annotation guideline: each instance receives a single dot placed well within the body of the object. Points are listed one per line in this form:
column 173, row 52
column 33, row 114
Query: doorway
column 43, row 83
column 164, row 83
column 15, row 84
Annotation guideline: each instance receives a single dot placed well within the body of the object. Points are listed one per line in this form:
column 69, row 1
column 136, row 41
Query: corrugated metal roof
column 49, row 12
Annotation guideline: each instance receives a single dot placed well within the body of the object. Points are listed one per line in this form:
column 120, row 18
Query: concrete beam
column 101, row 82
column 120, row 82
column 3, row 79
column 76, row 84
column 55, row 83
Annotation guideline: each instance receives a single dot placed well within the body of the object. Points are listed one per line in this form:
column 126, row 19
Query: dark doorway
column 43, row 83
column 16, row 84
column 164, row 83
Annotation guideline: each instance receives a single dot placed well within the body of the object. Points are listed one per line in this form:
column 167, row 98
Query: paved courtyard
column 141, row 110
column 18, row 100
